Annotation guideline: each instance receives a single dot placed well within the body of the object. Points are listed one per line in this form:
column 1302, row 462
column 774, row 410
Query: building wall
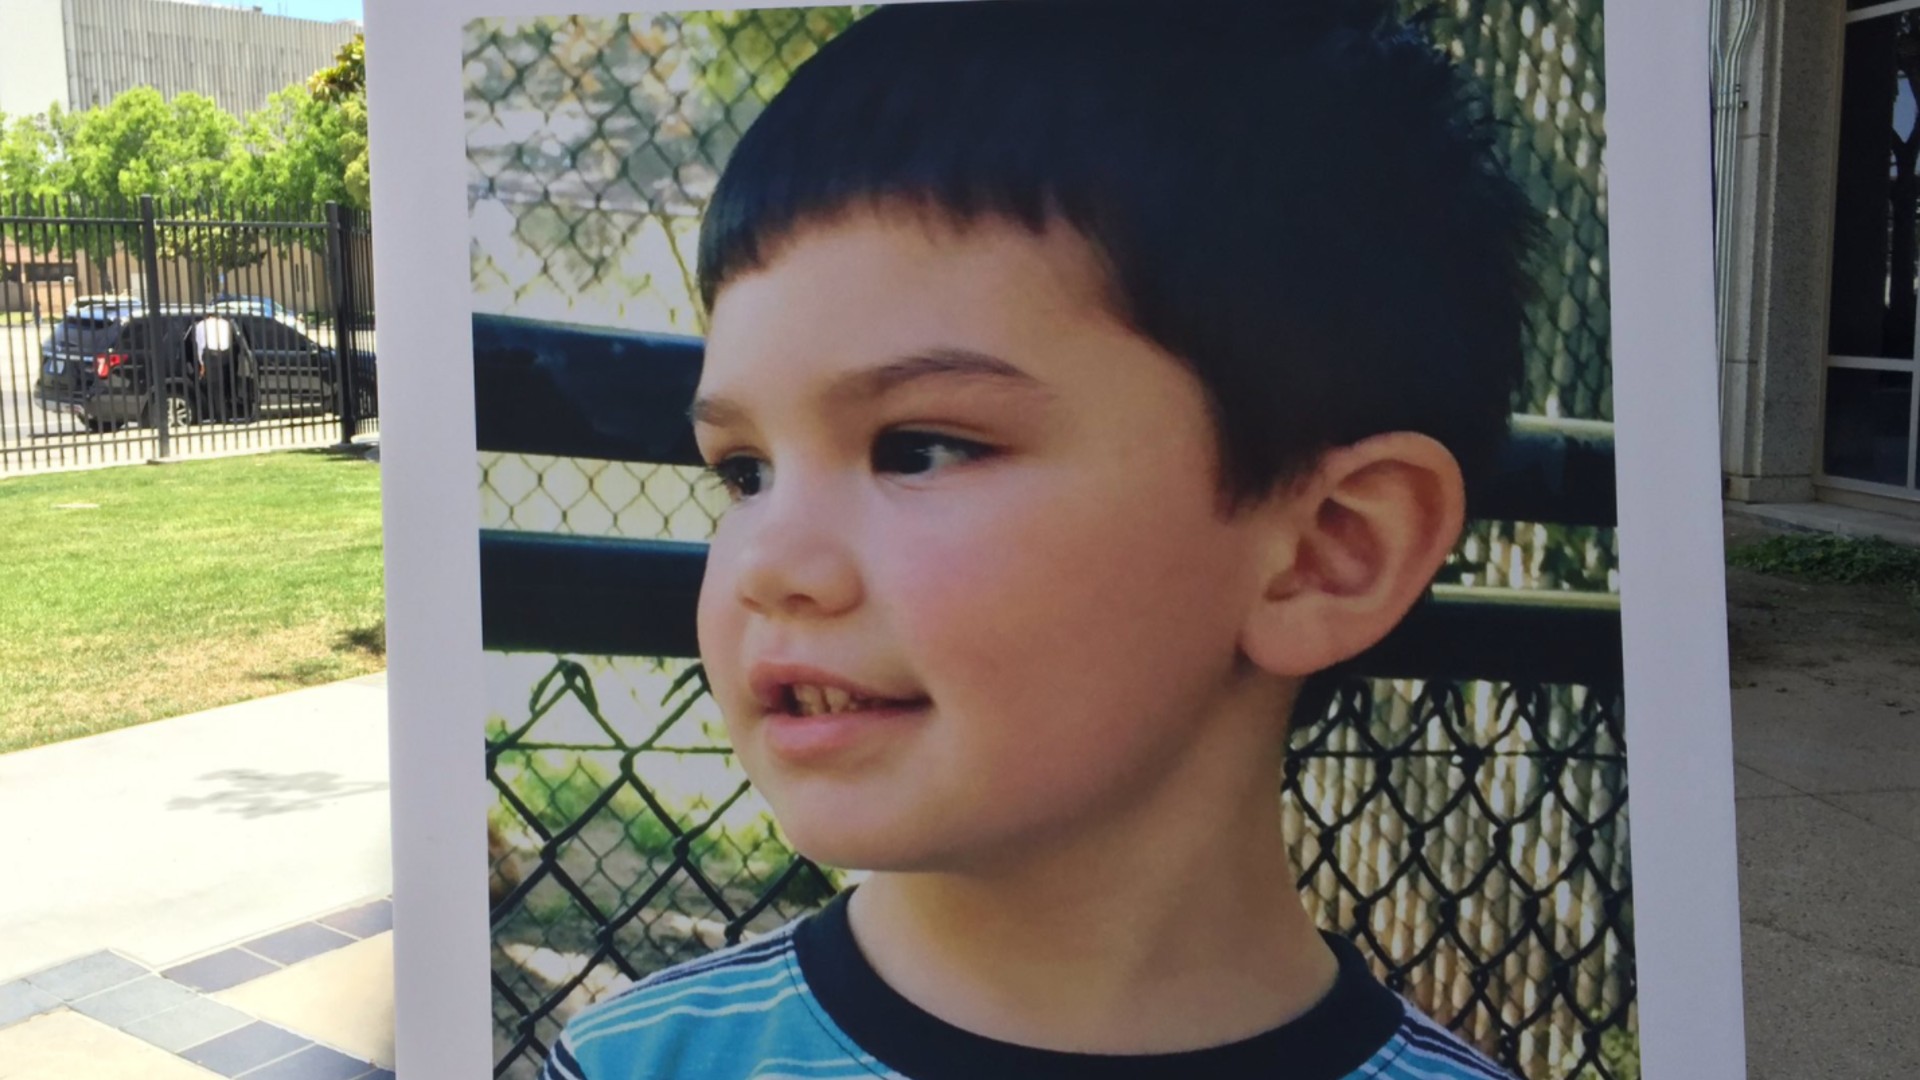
column 1775, row 349
column 239, row 58
column 33, row 57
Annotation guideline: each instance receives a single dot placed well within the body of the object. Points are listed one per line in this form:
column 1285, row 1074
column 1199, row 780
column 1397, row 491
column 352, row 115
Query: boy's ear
column 1353, row 546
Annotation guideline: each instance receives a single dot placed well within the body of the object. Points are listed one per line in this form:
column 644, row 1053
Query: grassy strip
column 1838, row 560
column 140, row 593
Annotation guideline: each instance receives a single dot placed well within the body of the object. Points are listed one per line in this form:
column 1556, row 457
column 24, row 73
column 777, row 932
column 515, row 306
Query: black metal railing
column 1460, row 809
column 97, row 303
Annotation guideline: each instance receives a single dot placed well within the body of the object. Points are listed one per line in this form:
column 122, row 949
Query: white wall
column 33, row 57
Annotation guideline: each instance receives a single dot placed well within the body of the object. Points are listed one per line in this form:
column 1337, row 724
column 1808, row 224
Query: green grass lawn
column 139, row 593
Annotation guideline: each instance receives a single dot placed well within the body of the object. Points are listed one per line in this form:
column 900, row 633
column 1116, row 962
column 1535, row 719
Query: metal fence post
column 340, row 281
column 155, row 363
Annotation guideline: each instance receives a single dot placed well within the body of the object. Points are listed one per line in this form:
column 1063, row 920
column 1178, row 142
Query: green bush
column 1839, row 560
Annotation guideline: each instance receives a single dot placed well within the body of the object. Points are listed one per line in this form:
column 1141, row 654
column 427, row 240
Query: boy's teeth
column 816, row 700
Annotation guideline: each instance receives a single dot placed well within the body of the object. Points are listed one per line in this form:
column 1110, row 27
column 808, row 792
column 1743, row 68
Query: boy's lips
column 812, row 715
column 773, row 686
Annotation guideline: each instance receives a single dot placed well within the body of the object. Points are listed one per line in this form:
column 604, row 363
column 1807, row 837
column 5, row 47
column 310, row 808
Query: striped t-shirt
column 803, row 1004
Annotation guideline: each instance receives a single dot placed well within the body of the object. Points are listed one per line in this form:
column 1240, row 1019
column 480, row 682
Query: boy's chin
column 869, row 846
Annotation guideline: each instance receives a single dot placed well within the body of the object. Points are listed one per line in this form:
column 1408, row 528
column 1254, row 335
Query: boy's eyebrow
column 869, row 383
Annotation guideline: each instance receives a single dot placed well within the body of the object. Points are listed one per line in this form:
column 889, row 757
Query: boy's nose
column 794, row 560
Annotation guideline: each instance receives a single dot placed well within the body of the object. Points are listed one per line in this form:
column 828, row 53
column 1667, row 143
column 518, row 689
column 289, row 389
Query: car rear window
column 87, row 333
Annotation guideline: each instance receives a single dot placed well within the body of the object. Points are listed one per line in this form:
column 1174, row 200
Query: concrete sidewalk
column 165, row 840
column 205, row 896
column 1827, row 803
column 1826, row 740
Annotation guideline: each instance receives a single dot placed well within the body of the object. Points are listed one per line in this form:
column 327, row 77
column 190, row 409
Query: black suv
column 116, row 365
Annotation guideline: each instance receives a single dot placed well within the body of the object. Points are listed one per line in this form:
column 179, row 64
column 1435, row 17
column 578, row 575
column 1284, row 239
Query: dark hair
column 1296, row 197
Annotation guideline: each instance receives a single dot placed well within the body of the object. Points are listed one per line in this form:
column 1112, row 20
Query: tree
column 209, row 246
column 321, row 131
column 142, row 144
column 302, row 150
column 348, row 75
column 34, row 158
column 306, row 147
column 138, row 144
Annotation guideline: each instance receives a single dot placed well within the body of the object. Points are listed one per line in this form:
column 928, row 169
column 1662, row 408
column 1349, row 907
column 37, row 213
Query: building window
column 1872, row 398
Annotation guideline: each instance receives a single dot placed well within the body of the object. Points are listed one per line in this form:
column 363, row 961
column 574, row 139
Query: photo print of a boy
column 1087, row 385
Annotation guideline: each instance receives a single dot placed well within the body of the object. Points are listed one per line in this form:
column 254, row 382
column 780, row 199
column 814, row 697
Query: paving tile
column 343, row 999
column 88, row 975
column 21, row 999
column 222, row 970
column 297, row 943
column 137, row 1000
column 313, row 1063
column 364, row 921
column 188, row 1025
column 248, row 1048
column 63, row 1045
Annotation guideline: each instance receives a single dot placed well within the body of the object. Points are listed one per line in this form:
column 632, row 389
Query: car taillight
column 104, row 364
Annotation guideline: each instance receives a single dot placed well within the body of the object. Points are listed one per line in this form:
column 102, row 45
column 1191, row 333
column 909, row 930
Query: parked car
column 256, row 305
column 113, row 366
column 259, row 305
column 98, row 304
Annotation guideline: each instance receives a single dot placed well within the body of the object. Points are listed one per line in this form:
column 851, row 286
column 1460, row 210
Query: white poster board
column 431, row 241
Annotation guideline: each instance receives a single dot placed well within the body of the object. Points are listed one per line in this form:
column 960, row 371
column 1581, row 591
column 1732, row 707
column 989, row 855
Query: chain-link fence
column 1473, row 835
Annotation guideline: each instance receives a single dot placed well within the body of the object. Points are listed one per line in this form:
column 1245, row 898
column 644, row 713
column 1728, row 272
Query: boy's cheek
column 718, row 626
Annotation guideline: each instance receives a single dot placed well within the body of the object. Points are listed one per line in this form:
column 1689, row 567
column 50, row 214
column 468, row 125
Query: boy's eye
column 742, row 477
column 914, row 452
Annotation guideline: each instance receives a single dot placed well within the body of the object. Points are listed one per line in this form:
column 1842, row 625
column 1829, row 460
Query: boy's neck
column 1192, row 936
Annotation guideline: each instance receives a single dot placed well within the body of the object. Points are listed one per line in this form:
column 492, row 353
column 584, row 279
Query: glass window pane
column 1867, row 415
column 1874, row 233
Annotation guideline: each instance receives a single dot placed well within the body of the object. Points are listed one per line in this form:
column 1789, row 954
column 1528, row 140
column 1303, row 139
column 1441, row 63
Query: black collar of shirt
column 1331, row 1040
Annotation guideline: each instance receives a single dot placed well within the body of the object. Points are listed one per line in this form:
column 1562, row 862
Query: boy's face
column 970, row 495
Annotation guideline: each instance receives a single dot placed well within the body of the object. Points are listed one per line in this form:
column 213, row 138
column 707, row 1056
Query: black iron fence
column 113, row 318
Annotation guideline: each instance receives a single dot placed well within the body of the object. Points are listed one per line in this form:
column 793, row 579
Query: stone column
column 1774, row 356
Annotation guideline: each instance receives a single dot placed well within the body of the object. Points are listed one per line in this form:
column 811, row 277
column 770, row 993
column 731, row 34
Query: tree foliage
column 307, row 146
column 141, row 144
column 33, row 158
column 302, row 150
column 348, row 75
column 325, row 144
